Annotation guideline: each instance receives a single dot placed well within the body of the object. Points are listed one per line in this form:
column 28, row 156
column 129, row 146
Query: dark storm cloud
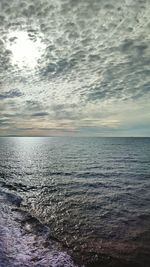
column 95, row 59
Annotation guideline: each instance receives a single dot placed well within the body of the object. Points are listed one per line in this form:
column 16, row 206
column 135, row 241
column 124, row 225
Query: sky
column 75, row 68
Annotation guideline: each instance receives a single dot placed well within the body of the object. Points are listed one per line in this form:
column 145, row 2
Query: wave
column 25, row 241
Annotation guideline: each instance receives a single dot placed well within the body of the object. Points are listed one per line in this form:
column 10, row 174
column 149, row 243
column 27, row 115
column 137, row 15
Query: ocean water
column 74, row 202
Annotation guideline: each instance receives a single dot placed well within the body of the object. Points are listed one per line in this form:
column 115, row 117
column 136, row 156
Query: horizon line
column 28, row 136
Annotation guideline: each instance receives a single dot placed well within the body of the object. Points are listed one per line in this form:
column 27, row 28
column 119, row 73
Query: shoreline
column 24, row 240
column 36, row 244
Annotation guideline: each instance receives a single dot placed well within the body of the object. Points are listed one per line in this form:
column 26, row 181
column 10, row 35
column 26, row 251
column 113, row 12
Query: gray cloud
column 33, row 106
column 40, row 114
column 11, row 94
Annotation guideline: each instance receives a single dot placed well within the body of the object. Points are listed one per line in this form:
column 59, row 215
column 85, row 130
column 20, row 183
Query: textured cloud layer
column 91, row 67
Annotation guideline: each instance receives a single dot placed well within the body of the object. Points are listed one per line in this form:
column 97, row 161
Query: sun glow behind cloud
column 25, row 50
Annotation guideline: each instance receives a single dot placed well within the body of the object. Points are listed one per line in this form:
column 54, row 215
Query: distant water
column 74, row 201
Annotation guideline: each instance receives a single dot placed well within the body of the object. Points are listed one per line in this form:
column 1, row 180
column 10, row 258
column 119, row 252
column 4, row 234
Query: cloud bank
column 70, row 67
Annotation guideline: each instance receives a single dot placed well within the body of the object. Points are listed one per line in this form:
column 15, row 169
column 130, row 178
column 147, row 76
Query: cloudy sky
column 75, row 67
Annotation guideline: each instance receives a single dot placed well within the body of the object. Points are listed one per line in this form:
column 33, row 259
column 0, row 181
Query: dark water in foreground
column 86, row 199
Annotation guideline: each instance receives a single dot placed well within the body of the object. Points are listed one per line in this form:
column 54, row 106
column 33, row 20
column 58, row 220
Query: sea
column 74, row 201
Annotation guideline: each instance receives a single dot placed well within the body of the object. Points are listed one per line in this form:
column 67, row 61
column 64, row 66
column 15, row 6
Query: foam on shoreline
column 24, row 241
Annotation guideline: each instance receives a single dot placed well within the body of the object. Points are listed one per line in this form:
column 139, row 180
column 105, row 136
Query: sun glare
column 25, row 51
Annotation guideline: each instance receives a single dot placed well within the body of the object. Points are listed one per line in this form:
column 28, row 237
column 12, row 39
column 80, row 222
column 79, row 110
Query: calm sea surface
column 73, row 201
